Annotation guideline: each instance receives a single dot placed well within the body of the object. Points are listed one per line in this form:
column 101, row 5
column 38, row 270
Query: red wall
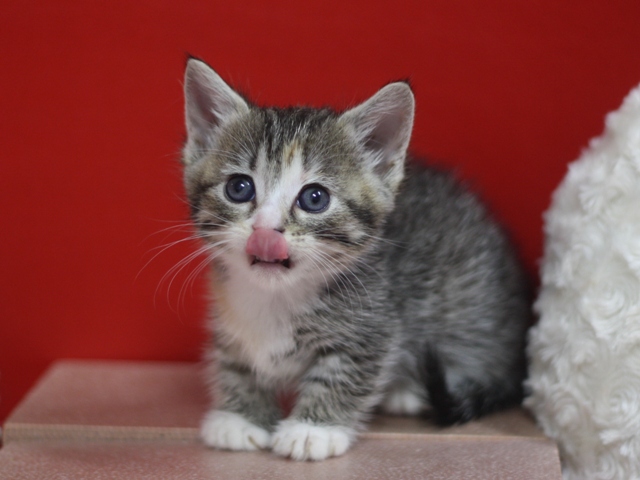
column 91, row 123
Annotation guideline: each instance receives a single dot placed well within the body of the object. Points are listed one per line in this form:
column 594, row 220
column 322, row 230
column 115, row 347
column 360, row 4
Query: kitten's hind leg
column 455, row 402
column 404, row 398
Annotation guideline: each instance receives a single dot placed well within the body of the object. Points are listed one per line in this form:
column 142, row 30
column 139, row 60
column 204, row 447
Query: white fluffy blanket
column 585, row 351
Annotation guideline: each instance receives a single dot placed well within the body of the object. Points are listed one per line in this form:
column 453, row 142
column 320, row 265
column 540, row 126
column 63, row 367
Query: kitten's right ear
column 209, row 104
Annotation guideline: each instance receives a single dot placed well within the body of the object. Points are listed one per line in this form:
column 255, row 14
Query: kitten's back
column 460, row 293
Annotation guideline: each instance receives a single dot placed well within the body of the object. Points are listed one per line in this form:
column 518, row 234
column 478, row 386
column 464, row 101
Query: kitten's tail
column 470, row 400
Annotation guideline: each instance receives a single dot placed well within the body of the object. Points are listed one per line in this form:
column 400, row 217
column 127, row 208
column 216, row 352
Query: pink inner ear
column 268, row 245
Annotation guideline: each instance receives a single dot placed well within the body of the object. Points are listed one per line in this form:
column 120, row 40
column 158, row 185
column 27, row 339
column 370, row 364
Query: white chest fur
column 259, row 323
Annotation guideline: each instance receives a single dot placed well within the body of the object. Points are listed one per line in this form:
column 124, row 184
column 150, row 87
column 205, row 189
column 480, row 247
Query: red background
column 91, row 125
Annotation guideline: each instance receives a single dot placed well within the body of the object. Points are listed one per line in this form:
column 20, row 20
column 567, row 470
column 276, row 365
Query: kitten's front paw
column 231, row 431
column 305, row 441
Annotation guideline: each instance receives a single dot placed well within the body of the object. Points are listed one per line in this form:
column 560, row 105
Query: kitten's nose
column 268, row 245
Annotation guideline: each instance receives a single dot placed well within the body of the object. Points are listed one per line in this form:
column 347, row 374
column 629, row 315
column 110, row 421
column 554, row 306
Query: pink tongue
column 268, row 245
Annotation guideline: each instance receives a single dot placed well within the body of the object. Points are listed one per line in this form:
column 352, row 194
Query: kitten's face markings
column 283, row 194
column 293, row 195
column 268, row 247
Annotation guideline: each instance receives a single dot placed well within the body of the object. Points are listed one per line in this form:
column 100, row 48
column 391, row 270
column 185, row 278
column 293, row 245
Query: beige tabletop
column 97, row 419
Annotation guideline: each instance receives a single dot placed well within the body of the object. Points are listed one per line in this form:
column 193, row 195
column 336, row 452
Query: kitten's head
column 284, row 196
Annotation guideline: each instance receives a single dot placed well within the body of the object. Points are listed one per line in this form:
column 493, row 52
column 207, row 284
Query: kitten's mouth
column 268, row 250
column 254, row 260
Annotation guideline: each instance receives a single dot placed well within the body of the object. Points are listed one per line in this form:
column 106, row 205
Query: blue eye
column 313, row 199
column 240, row 189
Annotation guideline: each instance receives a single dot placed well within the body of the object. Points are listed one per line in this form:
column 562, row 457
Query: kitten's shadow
column 512, row 422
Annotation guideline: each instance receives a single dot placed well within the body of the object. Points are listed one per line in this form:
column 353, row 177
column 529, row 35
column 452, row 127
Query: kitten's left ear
column 382, row 126
column 209, row 104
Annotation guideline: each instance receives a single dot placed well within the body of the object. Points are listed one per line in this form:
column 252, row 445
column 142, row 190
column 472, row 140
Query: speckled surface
column 139, row 420
column 124, row 400
column 373, row 459
column 122, row 394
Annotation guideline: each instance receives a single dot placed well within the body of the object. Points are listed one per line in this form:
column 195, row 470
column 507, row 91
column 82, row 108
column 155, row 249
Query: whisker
column 378, row 238
column 164, row 248
column 174, row 271
column 195, row 273
column 342, row 276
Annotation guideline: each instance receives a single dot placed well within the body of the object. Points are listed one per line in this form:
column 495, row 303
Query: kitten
column 342, row 274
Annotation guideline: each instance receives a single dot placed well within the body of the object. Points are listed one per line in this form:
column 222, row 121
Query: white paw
column 305, row 441
column 231, row 431
column 403, row 402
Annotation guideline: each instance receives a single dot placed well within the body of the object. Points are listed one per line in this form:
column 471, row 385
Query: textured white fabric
column 585, row 351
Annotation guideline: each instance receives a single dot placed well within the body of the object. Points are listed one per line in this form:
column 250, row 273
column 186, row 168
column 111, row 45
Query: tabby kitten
column 341, row 274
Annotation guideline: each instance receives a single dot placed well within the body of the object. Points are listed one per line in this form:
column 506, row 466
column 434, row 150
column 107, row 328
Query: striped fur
column 403, row 266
